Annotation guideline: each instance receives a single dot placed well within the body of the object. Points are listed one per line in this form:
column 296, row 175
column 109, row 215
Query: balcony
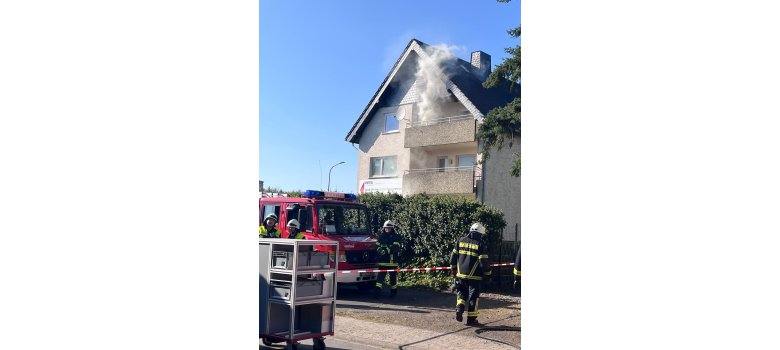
column 460, row 180
column 440, row 131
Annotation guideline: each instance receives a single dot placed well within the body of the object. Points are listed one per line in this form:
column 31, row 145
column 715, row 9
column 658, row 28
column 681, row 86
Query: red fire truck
column 331, row 216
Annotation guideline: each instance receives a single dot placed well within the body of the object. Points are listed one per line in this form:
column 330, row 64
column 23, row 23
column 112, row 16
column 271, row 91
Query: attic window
column 391, row 123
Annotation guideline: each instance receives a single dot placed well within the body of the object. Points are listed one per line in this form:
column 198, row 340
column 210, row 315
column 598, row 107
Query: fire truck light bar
column 332, row 195
column 312, row 193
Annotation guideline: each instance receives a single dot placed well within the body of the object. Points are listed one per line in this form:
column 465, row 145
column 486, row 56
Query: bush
column 430, row 225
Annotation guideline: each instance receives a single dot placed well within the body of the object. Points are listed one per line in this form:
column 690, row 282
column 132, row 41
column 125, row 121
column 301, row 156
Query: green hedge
column 430, row 225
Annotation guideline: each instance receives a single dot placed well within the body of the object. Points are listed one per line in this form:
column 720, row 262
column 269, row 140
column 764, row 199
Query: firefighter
column 517, row 269
column 388, row 249
column 469, row 267
column 268, row 228
column 293, row 227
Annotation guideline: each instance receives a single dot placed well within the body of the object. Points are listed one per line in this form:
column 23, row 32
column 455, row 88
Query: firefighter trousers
column 380, row 277
column 468, row 297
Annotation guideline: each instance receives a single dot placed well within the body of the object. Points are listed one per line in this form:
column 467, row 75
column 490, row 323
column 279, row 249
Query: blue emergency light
column 313, row 193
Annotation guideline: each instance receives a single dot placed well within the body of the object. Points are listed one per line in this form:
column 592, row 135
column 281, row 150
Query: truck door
column 302, row 213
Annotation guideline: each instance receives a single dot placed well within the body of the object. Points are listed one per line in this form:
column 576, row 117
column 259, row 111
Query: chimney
column 481, row 61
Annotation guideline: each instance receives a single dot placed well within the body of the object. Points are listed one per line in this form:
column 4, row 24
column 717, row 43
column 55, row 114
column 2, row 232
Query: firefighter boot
column 459, row 312
column 472, row 321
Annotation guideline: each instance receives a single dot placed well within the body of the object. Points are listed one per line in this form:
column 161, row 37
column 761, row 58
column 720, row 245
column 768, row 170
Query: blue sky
column 322, row 61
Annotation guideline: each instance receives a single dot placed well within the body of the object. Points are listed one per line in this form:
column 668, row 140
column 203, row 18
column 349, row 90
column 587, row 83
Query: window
column 442, row 163
column 466, row 161
column 302, row 214
column 391, row 123
column 269, row 209
column 382, row 166
column 343, row 219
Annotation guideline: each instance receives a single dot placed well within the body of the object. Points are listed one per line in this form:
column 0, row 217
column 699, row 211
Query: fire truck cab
column 331, row 216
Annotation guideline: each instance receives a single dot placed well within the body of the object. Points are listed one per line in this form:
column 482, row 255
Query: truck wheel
column 319, row 344
column 366, row 287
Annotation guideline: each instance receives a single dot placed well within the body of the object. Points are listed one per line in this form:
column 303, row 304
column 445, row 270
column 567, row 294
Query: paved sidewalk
column 369, row 335
column 376, row 335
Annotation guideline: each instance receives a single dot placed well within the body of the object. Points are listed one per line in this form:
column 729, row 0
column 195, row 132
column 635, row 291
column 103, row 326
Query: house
column 418, row 132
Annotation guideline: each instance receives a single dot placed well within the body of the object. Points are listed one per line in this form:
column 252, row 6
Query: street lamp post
column 331, row 169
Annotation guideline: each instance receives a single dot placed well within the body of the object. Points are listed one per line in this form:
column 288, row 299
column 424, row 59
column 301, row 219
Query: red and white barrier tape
column 426, row 269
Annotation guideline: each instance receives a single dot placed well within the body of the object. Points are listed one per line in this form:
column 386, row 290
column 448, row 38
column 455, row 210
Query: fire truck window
column 268, row 209
column 304, row 217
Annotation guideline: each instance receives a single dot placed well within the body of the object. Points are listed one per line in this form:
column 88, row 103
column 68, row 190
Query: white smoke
column 431, row 89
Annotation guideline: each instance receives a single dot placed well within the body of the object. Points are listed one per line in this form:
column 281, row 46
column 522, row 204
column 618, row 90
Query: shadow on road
column 413, row 297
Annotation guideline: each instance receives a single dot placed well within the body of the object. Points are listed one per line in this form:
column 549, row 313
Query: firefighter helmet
column 478, row 228
column 271, row 216
column 389, row 223
column 293, row 223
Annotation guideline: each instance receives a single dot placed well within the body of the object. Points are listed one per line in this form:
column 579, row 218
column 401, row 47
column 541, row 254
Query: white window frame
column 381, row 167
column 395, row 116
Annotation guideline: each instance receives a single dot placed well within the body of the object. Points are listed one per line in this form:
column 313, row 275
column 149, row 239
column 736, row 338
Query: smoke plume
column 431, row 89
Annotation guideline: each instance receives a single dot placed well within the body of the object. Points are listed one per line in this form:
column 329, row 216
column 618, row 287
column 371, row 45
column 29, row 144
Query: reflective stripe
column 517, row 272
column 460, row 302
column 379, row 285
column 473, row 314
column 483, row 256
column 478, row 278
column 394, row 287
column 474, row 269
column 471, row 246
column 466, row 252
column 488, row 273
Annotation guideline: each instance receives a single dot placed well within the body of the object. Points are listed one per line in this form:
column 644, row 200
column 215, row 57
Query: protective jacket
column 469, row 258
column 297, row 236
column 265, row 233
column 517, row 264
column 388, row 248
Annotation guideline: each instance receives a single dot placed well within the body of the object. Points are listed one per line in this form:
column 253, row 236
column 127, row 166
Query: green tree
column 503, row 122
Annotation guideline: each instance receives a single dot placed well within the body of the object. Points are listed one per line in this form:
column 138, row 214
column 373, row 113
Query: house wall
column 375, row 143
column 501, row 190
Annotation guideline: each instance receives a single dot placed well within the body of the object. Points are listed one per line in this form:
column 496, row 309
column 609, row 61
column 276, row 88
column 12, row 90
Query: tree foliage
column 503, row 122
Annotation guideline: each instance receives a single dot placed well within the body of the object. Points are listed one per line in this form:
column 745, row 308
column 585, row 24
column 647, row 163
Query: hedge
column 430, row 225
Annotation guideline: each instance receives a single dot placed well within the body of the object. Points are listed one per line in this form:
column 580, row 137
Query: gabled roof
column 461, row 78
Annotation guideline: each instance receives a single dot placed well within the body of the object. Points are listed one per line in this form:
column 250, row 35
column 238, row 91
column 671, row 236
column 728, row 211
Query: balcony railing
column 440, row 131
column 442, row 180
column 440, row 120
column 439, row 170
